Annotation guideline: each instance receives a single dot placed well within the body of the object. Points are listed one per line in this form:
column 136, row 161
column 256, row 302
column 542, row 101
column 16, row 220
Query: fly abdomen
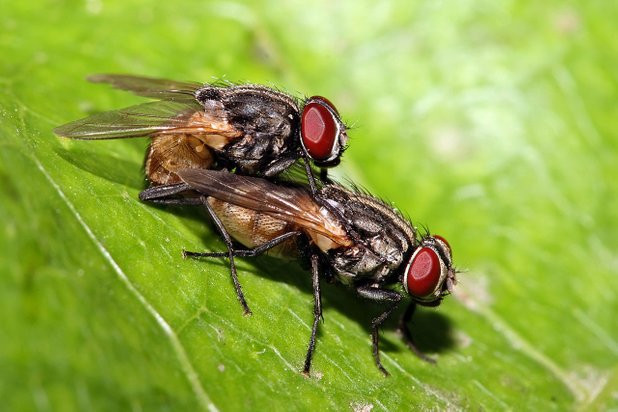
column 253, row 229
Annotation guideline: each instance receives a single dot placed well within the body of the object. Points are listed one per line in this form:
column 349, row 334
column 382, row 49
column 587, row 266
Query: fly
column 346, row 236
column 250, row 129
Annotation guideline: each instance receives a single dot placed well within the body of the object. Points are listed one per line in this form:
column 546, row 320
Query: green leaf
column 493, row 123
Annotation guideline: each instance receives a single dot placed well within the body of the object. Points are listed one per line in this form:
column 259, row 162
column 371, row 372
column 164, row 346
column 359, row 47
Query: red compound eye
column 423, row 273
column 319, row 129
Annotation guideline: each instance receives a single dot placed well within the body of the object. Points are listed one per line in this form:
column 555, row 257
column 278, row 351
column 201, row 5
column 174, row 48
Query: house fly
column 347, row 236
column 250, row 129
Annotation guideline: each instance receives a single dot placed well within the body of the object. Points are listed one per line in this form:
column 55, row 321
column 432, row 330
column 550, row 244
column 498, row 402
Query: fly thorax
column 390, row 252
column 282, row 140
column 355, row 263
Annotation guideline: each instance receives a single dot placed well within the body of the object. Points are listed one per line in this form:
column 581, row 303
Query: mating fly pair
column 345, row 236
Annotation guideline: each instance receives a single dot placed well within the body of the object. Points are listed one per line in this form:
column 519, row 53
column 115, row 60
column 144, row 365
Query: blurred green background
column 492, row 122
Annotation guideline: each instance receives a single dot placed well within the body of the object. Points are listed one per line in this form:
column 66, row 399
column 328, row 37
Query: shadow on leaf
column 432, row 331
column 108, row 167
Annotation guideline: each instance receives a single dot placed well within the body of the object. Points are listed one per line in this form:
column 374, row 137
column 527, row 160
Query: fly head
column 429, row 274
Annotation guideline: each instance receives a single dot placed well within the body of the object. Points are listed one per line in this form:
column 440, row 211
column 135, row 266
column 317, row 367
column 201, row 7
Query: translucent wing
column 292, row 204
column 135, row 121
column 163, row 89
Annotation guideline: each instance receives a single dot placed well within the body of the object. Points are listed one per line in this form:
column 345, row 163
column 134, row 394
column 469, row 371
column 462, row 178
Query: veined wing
column 292, row 204
column 149, row 87
column 135, row 121
column 155, row 119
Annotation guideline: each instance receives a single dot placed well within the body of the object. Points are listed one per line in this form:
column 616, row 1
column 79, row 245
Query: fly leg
column 175, row 194
column 379, row 295
column 230, row 254
column 310, row 177
column 317, row 300
column 165, row 194
column 407, row 335
column 317, row 311
column 256, row 251
column 324, row 176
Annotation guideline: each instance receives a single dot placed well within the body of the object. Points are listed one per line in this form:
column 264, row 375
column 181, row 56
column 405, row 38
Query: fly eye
column 319, row 129
column 423, row 275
